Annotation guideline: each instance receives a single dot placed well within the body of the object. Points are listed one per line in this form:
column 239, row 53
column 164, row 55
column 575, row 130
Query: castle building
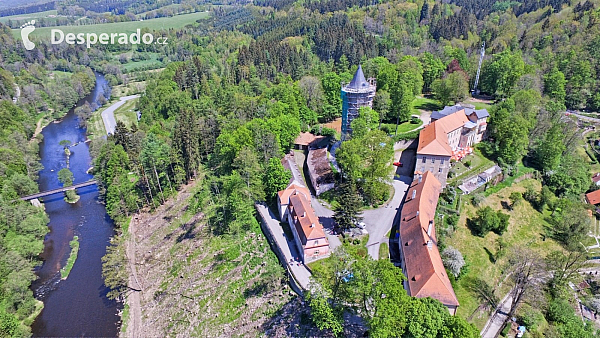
column 356, row 94
column 294, row 207
column 451, row 131
column 421, row 261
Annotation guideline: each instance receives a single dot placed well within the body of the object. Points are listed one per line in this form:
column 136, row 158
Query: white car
column 361, row 225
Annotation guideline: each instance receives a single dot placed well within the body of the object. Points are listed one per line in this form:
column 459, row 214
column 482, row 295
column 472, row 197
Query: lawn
column 479, row 105
column 127, row 113
column 402, row 128
column 95, row 125
column 526, row 229
column 424, row 103
column 129, row 89
column 178, row 21
column 479, row 163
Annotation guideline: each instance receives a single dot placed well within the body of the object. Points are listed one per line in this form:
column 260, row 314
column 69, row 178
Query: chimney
column 429, row 228
column 420, row 178
column 312, row 225
column 304, row 214
column 429, row 244
column 414, row 193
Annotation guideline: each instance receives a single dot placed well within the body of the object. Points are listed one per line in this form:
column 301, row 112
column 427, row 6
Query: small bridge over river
column 59, row 190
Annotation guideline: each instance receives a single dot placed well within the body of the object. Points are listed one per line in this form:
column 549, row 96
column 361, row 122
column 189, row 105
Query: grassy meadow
column 178, row 21
column 526, row 229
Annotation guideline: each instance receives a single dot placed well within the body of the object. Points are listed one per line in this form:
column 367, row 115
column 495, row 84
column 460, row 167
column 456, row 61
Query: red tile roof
column 593, row 197
column 284, row 195
column 425, row 271
column 307, row 139
column 305, row 220
column 433, row 139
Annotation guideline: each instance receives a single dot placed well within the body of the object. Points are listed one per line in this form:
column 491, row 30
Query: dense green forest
column 22, row 226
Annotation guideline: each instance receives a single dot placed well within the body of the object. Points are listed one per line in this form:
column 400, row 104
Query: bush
column 327, row 131
column 514, row 198
column 489, row 220
column 414, row 120
column 468, row 163
column 411, row 135
column 477, row 199
column 530, row 195
column 452, row 220
column 453, row 260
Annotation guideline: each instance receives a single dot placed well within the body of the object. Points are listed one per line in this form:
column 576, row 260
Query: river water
column 78, row 305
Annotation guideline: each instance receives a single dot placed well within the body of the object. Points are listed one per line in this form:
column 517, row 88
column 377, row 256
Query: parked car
column 361, row 225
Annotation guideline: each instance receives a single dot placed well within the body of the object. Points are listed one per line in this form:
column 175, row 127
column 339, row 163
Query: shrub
column 414, row 120
column 327, row 131
column 489, row 220
column 452, row 220
column 514, row 198
column 468, row 163
column 453, row 260
column 477, row 199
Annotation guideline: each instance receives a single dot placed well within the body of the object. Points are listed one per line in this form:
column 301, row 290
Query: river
column 78, row 305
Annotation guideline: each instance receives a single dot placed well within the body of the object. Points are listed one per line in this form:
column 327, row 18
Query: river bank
column 77, row 305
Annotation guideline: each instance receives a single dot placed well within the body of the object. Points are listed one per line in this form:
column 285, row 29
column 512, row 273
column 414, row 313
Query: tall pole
column 475, row 91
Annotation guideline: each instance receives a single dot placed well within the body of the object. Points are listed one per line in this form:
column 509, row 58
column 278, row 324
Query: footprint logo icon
column 26, row 29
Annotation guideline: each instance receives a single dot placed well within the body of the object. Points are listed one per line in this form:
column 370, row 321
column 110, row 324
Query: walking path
column 494, row 324
column 286, row 246
column 108, row 115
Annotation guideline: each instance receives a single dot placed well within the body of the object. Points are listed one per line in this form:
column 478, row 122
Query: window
column 424, row 159
column 439, row 170
column 433, row 160
column 316, row 252
column 431, row 169
column 442, row 161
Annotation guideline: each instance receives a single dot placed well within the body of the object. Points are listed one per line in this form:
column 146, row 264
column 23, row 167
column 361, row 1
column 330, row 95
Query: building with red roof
column 295, row 208
column 593, row 197
column 449, row 136
column 421, row 262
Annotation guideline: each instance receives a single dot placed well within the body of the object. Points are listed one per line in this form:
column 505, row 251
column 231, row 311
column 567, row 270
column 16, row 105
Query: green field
column 178, row 21
column 527, row 228
column 29, row 16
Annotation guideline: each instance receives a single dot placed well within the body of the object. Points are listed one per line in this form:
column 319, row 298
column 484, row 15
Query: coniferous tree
column 347, row 212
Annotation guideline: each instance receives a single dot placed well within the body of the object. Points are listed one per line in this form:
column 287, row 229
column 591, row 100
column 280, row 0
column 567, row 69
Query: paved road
column 108, row 115
column 286, row 246
column 494, row 324
column 585, row 118
column 324, row 214
column 326, row 218
column 379, row 221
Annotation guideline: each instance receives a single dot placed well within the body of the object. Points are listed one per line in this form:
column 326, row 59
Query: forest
column 238, row 88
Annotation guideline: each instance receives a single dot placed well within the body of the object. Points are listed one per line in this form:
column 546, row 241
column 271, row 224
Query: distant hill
column 14, row 7
column 20, row 3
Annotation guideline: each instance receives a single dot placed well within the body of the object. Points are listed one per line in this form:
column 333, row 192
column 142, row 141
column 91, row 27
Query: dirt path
column 135, row 309
column 38, row 129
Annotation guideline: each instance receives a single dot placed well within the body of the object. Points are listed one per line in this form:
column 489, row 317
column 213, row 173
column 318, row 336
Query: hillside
column 197, row 284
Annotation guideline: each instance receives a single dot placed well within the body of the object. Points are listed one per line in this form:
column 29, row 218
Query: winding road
column 108, row 115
